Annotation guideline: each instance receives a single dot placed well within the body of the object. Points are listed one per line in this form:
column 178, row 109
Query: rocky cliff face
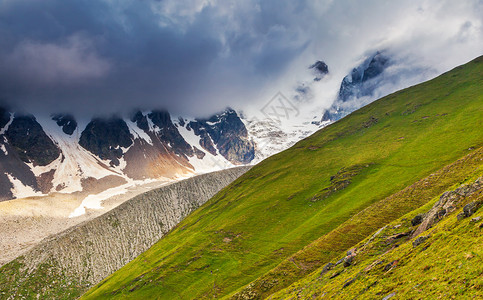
column 357, row 84
column 82, row 256
column 361, row 82
column 67, row 122
column 228, row 134
column 167, row 132
column 106, row 138
column 29, row 140
column 23, row 145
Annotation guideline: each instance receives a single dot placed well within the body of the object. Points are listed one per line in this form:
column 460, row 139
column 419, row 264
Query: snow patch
column 74, row 164
column 4, row 149
column 94, row 201
column 19, row 190
column 210, row 162
column 189, row 136
column 152, row 127
column 5, row 128
column 138, row 132
column 273, row 136
column 213, row 123
column 122, row 164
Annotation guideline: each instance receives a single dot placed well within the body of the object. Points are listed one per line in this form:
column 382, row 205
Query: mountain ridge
column 150, row 147
column 274, row 210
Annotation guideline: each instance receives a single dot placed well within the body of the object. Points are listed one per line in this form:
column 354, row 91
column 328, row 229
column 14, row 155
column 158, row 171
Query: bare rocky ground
column 25, row 222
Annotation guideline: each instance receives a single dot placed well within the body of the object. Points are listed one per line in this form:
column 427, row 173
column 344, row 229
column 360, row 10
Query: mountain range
column 59, row 154
column 385, row 202
column 343, row 199
column 40, row 156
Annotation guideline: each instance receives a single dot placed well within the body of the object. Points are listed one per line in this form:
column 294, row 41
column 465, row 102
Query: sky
column 196, row 57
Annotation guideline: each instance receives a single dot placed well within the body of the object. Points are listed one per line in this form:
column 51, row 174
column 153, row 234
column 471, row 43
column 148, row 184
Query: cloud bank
column 195, row 57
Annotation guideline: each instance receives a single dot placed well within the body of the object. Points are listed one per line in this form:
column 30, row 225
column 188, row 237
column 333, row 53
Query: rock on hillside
column 439, row 258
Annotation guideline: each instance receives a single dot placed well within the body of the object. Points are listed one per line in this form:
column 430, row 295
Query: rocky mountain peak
column 355, row 85
column 140, row 120
column 169, row 134
column 160, row 118
column 227, row 132
column 361, row 82
column 320, row 68
column 30, row 141
column 377, row 65
column 105, row 137
column 67, row 122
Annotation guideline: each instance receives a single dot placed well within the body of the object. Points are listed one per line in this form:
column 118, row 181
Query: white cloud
column 424, row 39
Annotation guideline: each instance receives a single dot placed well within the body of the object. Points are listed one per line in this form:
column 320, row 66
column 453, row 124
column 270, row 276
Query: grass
column 48, row 281
column 269, row 214
column 364, row 223
column 448, row 265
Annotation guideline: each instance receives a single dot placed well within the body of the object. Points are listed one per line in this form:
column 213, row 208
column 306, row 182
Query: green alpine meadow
column 385, row 202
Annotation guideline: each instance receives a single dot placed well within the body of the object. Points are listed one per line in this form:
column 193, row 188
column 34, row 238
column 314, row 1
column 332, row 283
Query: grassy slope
column 449, row 265
column 267, row 214
column 364, row 223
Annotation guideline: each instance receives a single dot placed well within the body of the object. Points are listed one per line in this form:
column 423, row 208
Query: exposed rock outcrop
column 446, row 204
column 140, row 120
column 22, row 142
column 30, row 141
column 228, row 133
column 67, row 122
column 362, row 81
column 356, row 84
column 105, row 138
column 320, row 68
column 339, row 181
column 469, row 209
column 12, row 167
column 168, row 134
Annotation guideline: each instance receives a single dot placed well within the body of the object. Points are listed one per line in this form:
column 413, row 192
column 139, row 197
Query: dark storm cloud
column 198, row 56
column 115, row 55
column 88, row 55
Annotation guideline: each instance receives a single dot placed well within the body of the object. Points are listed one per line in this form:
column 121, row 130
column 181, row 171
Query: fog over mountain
column 197, row 57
